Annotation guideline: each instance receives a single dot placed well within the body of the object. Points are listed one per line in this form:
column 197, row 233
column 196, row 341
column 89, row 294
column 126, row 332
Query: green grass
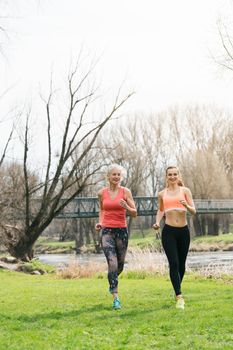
column 149, row 241
column 33, row 265
column 43, row 312
column 51, row 244
column 222, row 238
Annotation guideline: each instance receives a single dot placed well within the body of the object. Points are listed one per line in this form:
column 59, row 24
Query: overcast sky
column 161, row 48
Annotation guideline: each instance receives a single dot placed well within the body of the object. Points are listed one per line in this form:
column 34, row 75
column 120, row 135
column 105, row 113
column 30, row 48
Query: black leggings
column 114, row 243
column 175, row 241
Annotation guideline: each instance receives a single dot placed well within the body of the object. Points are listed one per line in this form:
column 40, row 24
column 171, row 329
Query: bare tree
column 202, row 155
column 67, row 178
column 124, row 146
column 158, row 149
column 224, row 58
column 222, row 144
column 83, row 228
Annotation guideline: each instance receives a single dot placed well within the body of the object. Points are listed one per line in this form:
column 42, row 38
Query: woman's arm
column 188, row 203
column 160, row 212
column 128, row 203
column 98, row 226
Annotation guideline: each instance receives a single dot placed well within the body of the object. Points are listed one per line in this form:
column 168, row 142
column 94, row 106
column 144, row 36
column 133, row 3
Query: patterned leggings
column 114, row 243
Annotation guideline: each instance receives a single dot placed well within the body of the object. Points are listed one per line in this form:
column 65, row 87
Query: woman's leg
column 169, row 243
column 109, row 248
column 183, row 242
column 121, row 248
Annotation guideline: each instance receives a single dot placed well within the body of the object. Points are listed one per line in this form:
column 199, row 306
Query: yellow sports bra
column 173, row 202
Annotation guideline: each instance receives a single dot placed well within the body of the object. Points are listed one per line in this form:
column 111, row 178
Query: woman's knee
column 174, row 265
column 182, row 268
column 120, row 268
column 113, row 265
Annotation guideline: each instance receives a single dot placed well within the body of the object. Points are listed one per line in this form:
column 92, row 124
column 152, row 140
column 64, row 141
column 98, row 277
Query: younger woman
column 174, row 202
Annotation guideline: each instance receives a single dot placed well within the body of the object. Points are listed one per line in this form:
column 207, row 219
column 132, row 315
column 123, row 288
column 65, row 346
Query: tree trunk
column 22, row 251
column 226, row 225
column 78, row 234
column 197, row 225
column 96, row 239
column 203, row 224
column 129, row 225
column 210, row 225
column 216, row 225
column 87, row 232
column 18, row 243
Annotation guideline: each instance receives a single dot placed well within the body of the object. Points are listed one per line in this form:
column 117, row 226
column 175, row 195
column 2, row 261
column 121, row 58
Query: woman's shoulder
column 161, row 193
column 125, row 189
column 101, row 191
column 185, row 189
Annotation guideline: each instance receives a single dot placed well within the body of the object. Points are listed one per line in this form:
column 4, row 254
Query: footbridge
column 88, row 207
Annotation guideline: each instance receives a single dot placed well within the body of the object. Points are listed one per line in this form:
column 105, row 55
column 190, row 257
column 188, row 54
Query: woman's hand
column 156, row 226
column 128, row 204
column 123, row 203
column 184, row 203
column 98, row 227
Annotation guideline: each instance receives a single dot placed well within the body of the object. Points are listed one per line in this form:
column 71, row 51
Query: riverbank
column 223, row 242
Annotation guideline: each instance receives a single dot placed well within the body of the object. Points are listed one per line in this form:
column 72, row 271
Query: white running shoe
column 180, row 303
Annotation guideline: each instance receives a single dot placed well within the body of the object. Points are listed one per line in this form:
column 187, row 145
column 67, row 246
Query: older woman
column 174, row 201
column 115, row 201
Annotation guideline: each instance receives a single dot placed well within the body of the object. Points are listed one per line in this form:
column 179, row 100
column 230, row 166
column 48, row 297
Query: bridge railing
column 88, row 207
column 214, row 205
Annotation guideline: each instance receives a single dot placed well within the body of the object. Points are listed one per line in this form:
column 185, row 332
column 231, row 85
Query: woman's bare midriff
column 176, row 218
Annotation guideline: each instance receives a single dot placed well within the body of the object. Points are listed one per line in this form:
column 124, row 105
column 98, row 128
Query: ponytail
column 180, row 181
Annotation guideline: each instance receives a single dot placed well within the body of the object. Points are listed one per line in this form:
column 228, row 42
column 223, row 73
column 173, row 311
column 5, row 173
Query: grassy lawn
column 222, row 238
column 44, row 312
column 51, row 244
column 147, row 240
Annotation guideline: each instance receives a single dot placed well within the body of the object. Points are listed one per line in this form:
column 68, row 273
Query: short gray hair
column 116, row 166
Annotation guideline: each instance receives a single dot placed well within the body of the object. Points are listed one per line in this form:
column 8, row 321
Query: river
column 133, row 261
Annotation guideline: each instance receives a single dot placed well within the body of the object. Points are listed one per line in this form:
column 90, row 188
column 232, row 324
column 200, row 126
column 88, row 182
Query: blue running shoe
column 116, row 304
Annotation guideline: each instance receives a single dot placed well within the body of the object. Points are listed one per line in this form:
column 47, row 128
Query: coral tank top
column 173, row 202
column 113, row 215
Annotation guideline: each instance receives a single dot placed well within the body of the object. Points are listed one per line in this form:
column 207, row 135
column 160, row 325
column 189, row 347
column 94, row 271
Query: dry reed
column 142, row 262
column 145, row 260
column 76, row 270
column 214, row 270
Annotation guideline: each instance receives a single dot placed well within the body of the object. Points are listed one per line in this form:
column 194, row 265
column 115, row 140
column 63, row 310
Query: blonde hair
column 116, row 166
column 180, row 181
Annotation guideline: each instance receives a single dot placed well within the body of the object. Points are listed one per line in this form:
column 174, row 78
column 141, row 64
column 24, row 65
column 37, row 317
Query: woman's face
column 115, row 176
column 172, row 175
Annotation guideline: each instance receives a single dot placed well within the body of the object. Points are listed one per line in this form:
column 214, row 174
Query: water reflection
column 194, row 260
